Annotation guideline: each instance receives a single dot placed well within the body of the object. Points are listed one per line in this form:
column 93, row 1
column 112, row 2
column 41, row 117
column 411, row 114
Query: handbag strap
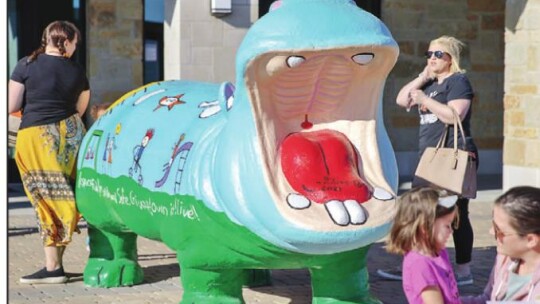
column 442, row 139
column 457, row 124
column 457, row 121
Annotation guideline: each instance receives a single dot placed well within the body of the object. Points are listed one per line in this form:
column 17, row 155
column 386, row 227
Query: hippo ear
column 226, row 94
column 275, row 5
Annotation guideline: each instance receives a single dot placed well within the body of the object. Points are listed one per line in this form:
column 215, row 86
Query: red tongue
column 323, row 166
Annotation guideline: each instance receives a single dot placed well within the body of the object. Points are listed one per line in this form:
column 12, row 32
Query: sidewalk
column 162, row 282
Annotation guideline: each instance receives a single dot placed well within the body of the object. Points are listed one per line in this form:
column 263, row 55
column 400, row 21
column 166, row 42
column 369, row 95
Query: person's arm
column 486, row 295
column 82, row 102
column 432, row 295
column 442, row 111
column 403, row 98
column 15, row 96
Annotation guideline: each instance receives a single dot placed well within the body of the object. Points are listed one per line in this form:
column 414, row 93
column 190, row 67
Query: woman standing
column 439, row 88
column 53, row 92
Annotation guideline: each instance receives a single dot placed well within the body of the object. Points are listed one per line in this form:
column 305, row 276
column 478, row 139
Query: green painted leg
column 343, row 282
column 257, row 278
column 212, row 285
column 113, row 259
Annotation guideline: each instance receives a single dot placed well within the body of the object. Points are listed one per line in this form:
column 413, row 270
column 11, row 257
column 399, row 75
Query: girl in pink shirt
column 424, row 221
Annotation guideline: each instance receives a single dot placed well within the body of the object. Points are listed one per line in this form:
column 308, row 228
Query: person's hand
column 418, row 97
column 427, row 74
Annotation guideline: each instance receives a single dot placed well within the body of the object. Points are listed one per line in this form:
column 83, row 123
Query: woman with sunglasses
column 516, row 227
column 439, row 88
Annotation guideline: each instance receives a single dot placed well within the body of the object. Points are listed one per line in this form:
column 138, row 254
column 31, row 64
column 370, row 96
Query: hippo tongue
column 323, row 166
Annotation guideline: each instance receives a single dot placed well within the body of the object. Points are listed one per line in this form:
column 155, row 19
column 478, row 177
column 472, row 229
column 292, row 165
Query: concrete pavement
column 162, row 280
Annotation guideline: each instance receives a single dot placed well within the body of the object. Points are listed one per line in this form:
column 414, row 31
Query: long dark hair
column 55, row 34
column 523, row 206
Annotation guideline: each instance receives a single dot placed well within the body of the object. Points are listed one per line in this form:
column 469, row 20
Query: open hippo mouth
column 316, row 116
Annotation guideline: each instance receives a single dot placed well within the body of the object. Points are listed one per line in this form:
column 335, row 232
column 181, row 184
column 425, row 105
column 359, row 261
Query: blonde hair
column 413, row 225
column 453, row 47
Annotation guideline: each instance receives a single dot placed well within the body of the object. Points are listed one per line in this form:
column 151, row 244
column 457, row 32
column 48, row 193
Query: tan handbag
column 448, row 168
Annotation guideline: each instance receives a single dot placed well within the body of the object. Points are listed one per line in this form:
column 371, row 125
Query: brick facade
column 522, row 94
column 115, row 48
column 506, row 86
column 480, row 25
column 208, row 43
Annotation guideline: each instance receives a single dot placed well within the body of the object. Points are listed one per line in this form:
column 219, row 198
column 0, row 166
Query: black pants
column 463, row 236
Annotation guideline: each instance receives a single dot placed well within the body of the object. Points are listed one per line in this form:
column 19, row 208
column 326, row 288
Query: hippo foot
column 202, row 297
column 212, row 286
column 333, row 283
column 257, row 278
column 115, row 273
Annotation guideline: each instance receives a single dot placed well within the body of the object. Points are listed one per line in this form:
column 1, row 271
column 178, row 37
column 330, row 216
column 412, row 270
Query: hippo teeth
column 341, row 213
column 337, row 212
column 357, row 213
column 382, row 194
column 297, row 201
column 323, row 166
column 347, row 212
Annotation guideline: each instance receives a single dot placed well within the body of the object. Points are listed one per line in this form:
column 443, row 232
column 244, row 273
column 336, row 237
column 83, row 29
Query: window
column 153, row 40
column 28, row 18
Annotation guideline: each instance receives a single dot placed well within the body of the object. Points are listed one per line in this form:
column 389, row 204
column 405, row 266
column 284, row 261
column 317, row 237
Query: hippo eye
column 363, row 58
column 295, row 61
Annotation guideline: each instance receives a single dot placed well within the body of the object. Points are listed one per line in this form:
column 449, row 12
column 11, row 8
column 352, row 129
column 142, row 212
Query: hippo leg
column 344, row 280
column 257, row 277
column 113, row 259
column 212, row 285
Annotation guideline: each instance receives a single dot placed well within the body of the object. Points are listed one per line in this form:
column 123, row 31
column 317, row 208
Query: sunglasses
column 499, row 235
column 438, row 54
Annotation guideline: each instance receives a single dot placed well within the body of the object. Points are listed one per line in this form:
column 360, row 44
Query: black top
column 456, row 86
column 52, row 85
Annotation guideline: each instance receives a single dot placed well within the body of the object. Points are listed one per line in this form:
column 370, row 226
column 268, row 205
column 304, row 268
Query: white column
column 171, row 40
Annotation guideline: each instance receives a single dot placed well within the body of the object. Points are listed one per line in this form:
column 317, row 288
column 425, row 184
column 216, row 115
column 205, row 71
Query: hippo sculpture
column 289, row 167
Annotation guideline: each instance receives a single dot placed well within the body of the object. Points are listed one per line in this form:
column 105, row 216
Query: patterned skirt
column 46, row 158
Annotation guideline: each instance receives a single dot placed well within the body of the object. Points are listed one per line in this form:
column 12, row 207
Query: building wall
column 200, row 46
column 208, row 43
column 480, row 25
column 114, row 48
column 522, row 94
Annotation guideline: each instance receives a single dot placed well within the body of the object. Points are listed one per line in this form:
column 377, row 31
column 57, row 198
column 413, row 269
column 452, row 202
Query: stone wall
column 202, row 47
column 209, row 43
column 480, row 25
column 114, row 48
column 522, row 94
